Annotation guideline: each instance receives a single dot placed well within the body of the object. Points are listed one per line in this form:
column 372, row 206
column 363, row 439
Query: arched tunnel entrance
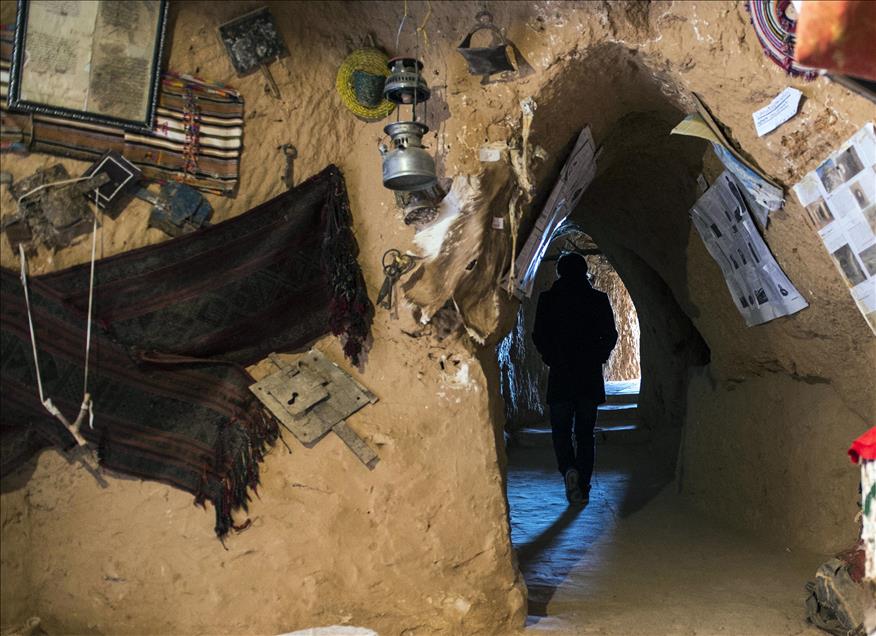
column 650, row 522
column 524, row 375
column 636, row 212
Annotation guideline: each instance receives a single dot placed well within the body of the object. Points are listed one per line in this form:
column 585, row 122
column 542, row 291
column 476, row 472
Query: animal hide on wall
column 465, row 254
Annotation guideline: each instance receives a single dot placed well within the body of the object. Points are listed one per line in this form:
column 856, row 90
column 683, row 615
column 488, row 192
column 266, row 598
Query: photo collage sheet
column 840, row 201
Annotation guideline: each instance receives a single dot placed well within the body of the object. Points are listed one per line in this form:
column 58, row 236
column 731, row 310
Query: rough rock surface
column 420, row 545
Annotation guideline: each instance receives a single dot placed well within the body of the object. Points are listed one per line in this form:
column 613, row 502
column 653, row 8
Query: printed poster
column 840, row 201
column 723, row 218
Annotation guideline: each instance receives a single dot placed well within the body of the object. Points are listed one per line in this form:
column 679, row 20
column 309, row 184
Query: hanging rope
column 86, row 397
column 401, row 26
column 419, row 29
column 422, row 27
column 51, row 185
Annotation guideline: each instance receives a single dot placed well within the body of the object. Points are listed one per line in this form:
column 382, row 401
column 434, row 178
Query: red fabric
column 838, row 35
column 854, row 558
column 864, row 447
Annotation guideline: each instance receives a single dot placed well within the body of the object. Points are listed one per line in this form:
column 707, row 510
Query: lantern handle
column 417, row 29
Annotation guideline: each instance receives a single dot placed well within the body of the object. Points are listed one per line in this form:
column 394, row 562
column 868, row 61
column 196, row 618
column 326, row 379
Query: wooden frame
column 97, row 61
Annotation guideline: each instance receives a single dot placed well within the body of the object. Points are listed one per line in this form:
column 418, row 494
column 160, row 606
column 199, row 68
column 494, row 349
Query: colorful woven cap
column 775, row 23
column 360, row 84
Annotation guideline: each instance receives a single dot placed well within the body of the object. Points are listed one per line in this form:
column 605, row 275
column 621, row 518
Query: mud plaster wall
column 418, row 546
column 623, row 364
column 636, row 211
column 524, row 375
column 421, row 545
column 628, row 70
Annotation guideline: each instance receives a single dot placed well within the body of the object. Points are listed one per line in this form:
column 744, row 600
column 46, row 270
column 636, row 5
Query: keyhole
column 293, row 398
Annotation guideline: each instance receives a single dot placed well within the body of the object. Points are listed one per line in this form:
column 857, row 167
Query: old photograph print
column 859, row 194
column 868, row 258
column 819, row 213
column 870, row 215
column 848, row 164
column 849, row 265
column 829, row 175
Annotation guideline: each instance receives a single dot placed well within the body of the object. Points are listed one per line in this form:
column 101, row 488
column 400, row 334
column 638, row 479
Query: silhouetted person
column 574, row 333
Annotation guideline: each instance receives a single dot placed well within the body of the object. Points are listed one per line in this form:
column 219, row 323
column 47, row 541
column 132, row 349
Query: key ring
column 401, row 263
column 391, row 269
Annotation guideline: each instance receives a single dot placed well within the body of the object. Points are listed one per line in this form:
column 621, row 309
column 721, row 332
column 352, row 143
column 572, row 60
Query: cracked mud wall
column 421, row 545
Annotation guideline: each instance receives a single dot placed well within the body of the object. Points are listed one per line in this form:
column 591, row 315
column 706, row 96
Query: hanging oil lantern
column 407, row 166
column 405, row 83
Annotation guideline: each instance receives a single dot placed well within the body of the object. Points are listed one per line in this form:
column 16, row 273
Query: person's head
column 572, row 266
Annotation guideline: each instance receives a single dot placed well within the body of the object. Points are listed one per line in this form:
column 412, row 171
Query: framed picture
column 97, row 61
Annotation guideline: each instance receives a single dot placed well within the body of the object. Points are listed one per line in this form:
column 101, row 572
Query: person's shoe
column 585, row 495
column 573, row 488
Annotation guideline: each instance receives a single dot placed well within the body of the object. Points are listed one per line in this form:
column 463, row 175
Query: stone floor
column 636, row 561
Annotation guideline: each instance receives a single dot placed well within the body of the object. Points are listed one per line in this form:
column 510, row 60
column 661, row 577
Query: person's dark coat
column 574, row 333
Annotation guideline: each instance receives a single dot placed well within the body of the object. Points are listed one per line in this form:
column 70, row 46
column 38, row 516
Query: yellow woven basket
column 368, row 60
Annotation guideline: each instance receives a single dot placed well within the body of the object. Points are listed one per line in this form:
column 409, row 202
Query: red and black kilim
column 174, row 322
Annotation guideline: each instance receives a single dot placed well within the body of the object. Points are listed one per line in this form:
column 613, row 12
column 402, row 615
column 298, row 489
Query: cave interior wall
column 754, row 422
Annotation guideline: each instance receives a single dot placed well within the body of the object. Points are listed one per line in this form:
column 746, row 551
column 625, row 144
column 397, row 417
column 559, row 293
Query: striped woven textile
column 173, row 324
column 775, row 25
column 193, row 426
column 197, row 138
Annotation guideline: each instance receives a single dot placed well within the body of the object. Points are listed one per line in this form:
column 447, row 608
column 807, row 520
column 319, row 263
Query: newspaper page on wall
column 840, row 201
column 759, row 287
column 577, row 173
column 767, row 193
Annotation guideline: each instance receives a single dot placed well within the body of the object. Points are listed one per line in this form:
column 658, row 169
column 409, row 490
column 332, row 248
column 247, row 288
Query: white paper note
column 768, row 194
column 577, row 173
column 780, row 110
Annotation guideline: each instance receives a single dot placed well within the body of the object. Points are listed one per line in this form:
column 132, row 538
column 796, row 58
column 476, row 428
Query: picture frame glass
column 96, row 58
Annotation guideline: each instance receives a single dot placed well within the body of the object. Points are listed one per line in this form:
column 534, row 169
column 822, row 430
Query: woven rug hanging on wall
column 174, row 323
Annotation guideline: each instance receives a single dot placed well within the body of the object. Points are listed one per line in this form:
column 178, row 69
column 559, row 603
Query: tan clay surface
column 637, row 561
column 421, row 544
